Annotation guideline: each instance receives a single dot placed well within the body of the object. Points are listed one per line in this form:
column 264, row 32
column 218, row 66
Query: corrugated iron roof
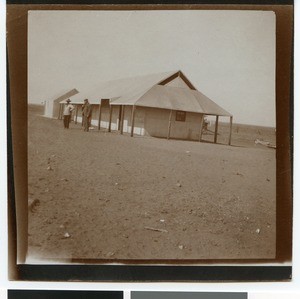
column 145, row 91
column 175, row 98
column 125, row 87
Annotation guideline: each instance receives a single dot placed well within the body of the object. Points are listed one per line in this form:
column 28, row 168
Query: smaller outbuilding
column 52, row 107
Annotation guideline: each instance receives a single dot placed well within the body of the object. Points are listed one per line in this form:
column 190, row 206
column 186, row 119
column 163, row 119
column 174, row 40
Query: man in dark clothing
column 86, row 114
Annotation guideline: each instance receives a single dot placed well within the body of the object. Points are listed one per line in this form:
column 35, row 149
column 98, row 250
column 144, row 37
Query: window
column 180, row 115
column 105, row 103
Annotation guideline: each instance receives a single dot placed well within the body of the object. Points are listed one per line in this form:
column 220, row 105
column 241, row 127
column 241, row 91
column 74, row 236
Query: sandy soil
column 101, row 195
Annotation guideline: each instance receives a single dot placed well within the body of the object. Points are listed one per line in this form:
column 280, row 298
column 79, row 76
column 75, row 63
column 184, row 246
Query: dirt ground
column 100, row 195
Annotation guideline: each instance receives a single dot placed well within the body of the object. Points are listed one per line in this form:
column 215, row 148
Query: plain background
column 284, row 290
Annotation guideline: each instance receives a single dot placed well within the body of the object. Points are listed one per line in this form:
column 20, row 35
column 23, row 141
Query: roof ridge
column 157, row 84
column 143, row 92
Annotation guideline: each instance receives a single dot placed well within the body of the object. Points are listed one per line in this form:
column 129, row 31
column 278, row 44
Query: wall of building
column 139, row 117
column 48, row 110
column 52, row 109
column 150, row 121
column 55, row 109
column 157, row 124
column 104, row 123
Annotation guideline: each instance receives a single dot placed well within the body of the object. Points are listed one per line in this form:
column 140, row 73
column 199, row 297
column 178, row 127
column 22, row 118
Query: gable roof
column 152, row 91
column 127, row 87
column 175, row 98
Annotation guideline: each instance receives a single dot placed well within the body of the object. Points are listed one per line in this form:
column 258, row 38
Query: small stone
column 162, row 220
column 178, row 185
column 49, row 168
column 180, row 247
column 32, row 203
column 258, row 231
column 67, row 235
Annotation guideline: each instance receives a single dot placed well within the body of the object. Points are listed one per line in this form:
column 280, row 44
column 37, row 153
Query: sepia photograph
column 151, row 135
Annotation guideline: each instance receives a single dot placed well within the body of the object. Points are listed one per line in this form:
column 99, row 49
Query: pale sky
column 227, row 55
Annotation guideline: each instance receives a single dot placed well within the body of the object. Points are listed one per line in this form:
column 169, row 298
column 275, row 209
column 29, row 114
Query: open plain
column 107, row 196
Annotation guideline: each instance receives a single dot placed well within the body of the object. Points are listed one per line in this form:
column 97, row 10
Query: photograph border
column 17, row 155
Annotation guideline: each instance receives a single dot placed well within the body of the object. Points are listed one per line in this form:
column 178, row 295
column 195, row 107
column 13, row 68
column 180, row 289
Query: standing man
column 86, row 114
column 67, row 113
